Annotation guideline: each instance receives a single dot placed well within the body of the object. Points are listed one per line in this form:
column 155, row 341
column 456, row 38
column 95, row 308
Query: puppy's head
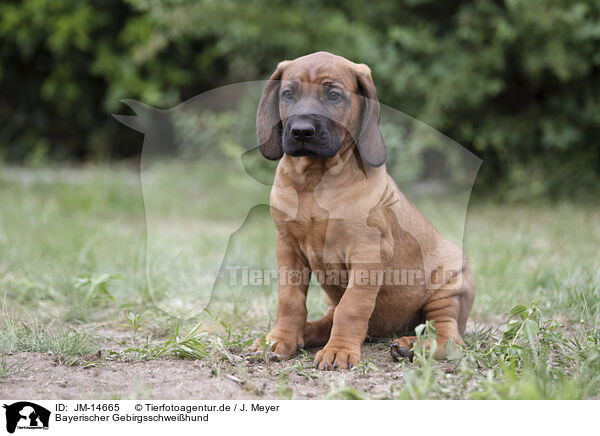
column 314, row 105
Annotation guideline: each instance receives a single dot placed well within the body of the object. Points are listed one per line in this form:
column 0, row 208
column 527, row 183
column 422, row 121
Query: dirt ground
column 42, row 377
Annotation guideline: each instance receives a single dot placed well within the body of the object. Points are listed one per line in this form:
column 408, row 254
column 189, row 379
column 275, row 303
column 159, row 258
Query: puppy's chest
column 323, row 237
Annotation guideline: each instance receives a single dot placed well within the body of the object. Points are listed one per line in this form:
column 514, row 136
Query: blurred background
column 515, row 81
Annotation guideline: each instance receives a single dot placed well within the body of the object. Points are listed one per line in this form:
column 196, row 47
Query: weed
column 69, row 346
column 340, row 391
column 135, row 322
column 530, row 359
column 96, row 287
column 284, row 392
column 191, row 345
column 365, row 367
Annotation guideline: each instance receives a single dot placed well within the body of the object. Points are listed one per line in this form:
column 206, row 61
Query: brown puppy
column 340, row 216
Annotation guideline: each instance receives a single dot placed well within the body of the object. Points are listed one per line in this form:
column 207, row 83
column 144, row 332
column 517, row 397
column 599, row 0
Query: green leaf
column 518, row 309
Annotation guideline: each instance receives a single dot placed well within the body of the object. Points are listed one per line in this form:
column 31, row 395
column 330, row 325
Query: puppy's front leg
column 288, row 332
column 350, row 323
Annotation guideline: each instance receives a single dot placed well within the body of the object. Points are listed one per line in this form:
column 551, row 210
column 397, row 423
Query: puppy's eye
column 334, row 95
column 287, row 94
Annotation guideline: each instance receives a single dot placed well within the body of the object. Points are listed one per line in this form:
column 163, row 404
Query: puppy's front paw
column 337, row 357
column 279, row 347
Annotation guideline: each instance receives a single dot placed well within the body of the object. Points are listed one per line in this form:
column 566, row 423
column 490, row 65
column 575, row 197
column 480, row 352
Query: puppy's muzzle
column 310, row 135
column 303, row 130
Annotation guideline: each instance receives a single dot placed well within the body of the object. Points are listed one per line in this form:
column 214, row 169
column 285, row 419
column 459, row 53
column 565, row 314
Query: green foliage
column 515, row 81
column 96, row 287
column 134, row 320
column 191, row 345
column 525, row 358
column 69, row 346
column 365, row 366
column 343, row 392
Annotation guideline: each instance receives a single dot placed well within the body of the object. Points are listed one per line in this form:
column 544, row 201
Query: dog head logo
column 25, row 415
column 214, row 136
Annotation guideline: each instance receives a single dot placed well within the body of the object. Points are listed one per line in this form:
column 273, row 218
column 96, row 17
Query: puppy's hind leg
column 316, row 333
column 448, row 308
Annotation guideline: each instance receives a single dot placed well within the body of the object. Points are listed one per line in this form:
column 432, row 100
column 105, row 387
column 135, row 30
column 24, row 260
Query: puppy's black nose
column 302, row 130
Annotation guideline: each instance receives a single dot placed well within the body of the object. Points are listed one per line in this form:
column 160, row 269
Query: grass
column 191, row 345
column 525, row 357
column 68, row 346
column 74, row 253
column 6, row 369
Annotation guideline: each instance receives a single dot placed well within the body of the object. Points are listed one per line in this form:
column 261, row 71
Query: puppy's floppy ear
column 370, row 142
column 268, row 124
